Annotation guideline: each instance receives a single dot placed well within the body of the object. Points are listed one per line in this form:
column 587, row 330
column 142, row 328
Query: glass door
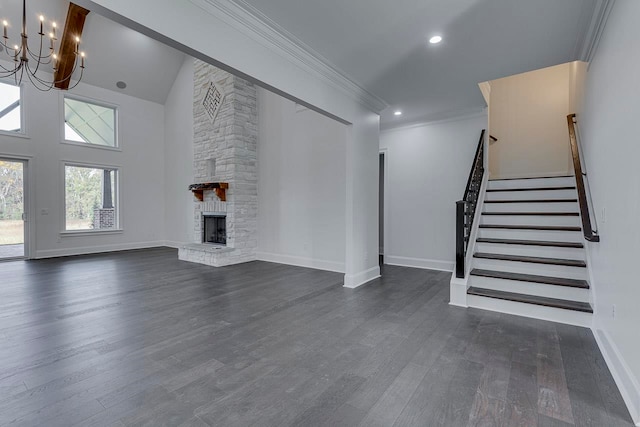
column 12, row 212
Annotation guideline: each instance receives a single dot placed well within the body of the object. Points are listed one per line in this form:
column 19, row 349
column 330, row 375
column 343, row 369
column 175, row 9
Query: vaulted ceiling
column 114, row 53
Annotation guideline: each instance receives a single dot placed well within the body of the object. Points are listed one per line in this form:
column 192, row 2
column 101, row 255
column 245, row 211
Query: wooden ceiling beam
column 73, row 28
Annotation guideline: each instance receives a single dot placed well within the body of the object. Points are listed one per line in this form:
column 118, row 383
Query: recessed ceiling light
column 397, row 113
column 435, row 39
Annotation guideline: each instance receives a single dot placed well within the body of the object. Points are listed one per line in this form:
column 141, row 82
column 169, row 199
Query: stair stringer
column 458, row 286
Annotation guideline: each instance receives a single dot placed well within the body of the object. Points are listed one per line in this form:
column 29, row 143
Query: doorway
column 13, row 230
column 381, row 216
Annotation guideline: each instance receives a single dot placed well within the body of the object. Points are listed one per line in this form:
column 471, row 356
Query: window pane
column 90, row 195
column 90, row 123
column 10, row 117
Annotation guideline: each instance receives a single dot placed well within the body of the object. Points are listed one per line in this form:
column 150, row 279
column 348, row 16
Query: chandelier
column 28, row 62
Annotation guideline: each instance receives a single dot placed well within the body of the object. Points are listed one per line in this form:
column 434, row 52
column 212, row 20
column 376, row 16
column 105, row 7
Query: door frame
column 385, row 207
column 27, row 178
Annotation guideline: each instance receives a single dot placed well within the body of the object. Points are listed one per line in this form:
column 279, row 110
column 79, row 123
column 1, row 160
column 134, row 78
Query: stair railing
column 466, row 208
column 589, row 228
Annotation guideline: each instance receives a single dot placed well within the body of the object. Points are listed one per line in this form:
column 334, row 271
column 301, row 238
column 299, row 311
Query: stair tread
column 532, row 227
column 532, row 213
column 558, row 281
column 534, row 201
column 532, row 299
column 531, row 259
column 531, row 242
column 497, row 190
column 532, row 177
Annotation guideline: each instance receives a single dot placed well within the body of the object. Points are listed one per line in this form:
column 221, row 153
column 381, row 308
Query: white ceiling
column 114, row 52
column 383, row 45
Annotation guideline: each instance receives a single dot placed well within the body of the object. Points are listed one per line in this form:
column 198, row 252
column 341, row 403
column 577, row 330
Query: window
column 10, row 108
column 89, row 123
column 91, row 198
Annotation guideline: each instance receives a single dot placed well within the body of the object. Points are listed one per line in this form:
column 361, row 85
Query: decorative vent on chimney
column 213, row 101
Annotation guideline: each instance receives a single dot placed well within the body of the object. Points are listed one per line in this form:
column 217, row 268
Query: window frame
column 23, row 117
column 116, row 199
column 88, row 100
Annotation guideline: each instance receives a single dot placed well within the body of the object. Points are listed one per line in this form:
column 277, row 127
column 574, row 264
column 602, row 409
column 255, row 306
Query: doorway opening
column 381, row 209
column 13, row 228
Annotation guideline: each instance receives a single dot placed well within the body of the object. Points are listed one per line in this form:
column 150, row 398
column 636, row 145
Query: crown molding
column 451, row 116
column 260, row 28
column 587, row 49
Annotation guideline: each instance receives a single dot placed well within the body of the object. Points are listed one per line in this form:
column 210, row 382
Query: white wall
column 427, row 171
column 178, row 164
column 282, row 67
column 611, row 149
column 529, row 118
column 301, row 191
column 140, row 162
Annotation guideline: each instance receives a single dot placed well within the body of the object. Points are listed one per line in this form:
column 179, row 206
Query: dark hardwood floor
column 141, row 339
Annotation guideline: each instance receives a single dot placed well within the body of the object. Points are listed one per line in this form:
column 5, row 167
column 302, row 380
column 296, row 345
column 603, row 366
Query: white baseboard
column 627, row 384
column 55, row 253
column 359, row 279
column 301, row 261
column 174, row 245
column 428, row 264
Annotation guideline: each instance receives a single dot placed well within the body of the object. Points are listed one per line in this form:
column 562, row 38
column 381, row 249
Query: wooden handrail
column 590, row 234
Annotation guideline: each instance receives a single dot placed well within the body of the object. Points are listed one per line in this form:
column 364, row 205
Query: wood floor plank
column 141, row 338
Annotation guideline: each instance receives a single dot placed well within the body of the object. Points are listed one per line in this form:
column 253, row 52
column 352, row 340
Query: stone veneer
column 229, row 143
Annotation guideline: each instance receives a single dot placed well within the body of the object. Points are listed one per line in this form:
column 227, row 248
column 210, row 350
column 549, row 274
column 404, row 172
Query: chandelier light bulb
column 27, row 60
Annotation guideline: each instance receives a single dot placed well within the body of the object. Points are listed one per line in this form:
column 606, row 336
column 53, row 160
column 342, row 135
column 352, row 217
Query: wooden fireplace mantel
column 219, row 187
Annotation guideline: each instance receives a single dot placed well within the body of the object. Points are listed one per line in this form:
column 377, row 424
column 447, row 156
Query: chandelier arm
column 45, row 86
column 79, row 79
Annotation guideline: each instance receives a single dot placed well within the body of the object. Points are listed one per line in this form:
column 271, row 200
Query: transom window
column 10, row 108
column 89, row 123
column 91, row 198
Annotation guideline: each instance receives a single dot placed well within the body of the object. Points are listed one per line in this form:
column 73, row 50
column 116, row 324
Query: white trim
column 117, row 199
column 591, row 40
column 458, row 291
column 455, row 116
column 23, row 116
column 90, row 232
column 55, row 253
column 99, row 103
column 627, row 384
column 254, row 24
column 354, row 280
column 27, row 203
column 317, row 264
column 174, row 244
column 427, row 264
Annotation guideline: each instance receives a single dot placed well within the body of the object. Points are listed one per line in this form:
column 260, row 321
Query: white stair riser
column 531, row 268
column 532, row 195
column 530, row 288
column 534, row 251
column 530, row 310
column 532, row 183
column 551, row 236
column 548, row 220
column 532, row 207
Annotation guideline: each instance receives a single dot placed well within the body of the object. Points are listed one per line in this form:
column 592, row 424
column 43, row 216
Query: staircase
column 529, row 258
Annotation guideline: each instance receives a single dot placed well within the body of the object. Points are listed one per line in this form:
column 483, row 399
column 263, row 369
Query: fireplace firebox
column 214, row 228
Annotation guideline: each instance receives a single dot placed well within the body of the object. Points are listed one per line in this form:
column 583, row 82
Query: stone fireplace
column 225, row 165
